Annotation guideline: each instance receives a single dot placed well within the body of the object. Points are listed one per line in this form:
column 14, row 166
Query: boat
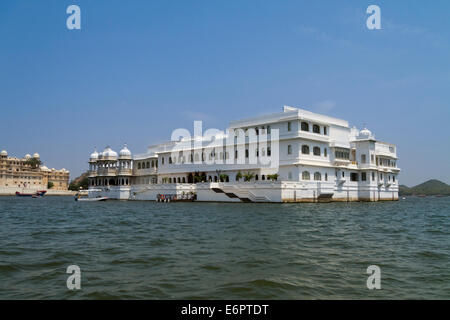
column 79, row 198
column 39, row 193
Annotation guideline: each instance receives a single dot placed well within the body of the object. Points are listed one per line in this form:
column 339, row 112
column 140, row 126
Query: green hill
column 429, row 188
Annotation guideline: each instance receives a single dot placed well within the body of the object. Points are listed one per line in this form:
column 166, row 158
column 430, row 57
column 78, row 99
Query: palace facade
column 291, row 156
column 24, row 173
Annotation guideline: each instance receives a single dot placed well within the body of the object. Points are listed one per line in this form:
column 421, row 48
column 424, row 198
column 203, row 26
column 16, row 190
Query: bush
column 50, row 185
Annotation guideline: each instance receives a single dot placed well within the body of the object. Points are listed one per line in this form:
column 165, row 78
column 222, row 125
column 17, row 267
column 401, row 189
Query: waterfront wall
column 11, row 191
column 262, row 191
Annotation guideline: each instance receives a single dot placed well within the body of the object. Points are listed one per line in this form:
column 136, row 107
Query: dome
column 36, row 155
column 365, row 134
column 27, row 156
column 4, row 153
column 94, row 155
column 44, row 168
column 125, row 152
column 109, row 153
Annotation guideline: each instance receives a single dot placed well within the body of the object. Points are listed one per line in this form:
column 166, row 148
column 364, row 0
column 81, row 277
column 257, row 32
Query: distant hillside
column 81, row 181
column 429, row 188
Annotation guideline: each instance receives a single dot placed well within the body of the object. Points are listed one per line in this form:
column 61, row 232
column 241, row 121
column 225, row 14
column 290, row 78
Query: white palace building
column 291, row 156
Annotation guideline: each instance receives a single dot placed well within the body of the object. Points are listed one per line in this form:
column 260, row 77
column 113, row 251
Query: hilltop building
column 21, row 173
column 313, row 158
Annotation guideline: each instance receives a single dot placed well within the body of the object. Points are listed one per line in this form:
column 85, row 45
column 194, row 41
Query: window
column 316, row 151
column 326, row 176
column 290, row 175
column 353, row 176
column 305, row 149
column 289, row 149
column 246, row 153
column 342, row 154
column 317, row 176
column 371, row 158
column 373, row 176
column 393, row 178
column 288, row 126
column 325, row 130
column 316, row 128
column 170, row 160
column 268, row 151
column 268, row 129
column 325, row 154
column 305, row 175
column 139, row 165
column 305, row 126
column 235, row 154
column 363, row 176
column 363, row 158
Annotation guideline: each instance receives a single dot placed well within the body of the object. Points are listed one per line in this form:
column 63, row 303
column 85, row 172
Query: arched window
column 184, row 180
column 263, row 177
column 305, row 149
column 316, row 128
column 317, row 176
column 256, row 177
column 153, row 164
column 170, row 180
column 170, row 160
column 305, row 175
column 139, row 165
column 148, row 164
column 305, row 126
column 316, row 151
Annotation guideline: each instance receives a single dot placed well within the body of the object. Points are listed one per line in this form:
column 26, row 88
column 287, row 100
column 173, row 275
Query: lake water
column 148, row 250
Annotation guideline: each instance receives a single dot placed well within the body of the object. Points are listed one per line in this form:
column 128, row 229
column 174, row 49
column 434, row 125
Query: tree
column 272, row 177
column 238, row 176
column 249, row 176
column 50, row 185
column 33, row 163
column 84, row 183
column 223, row 177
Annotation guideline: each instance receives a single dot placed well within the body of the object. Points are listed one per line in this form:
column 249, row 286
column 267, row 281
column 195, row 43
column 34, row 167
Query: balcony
column 125, row 172
column 107, row 171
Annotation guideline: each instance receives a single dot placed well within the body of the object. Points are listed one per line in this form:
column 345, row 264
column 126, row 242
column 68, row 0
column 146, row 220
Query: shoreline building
column 291, row 156
column 17, row 174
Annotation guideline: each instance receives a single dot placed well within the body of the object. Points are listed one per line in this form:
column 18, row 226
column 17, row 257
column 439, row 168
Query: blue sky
column 139, row 69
